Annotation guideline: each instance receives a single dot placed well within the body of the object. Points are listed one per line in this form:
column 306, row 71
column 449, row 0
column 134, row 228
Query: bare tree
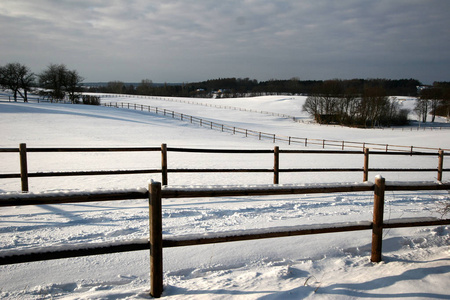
column 421, row 109
column 374, row 103
column 433, row 97
column 72, row 85
column 61, row 81
column 18, row 78
column 54, row 79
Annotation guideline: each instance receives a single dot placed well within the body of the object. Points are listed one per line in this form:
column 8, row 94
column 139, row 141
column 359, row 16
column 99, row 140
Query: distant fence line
column 34, row 98
column 172, row 99
column 290, row 140
column 156, row 241
column 164, row 170
column 295, row 119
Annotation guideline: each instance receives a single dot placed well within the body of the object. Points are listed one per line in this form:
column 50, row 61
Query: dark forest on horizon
column 245, row 87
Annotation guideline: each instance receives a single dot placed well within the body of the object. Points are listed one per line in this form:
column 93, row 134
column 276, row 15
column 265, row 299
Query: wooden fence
column 30, row 97
column 24, row 174
column 295, row 119
column 156, row 242
column 290, row 140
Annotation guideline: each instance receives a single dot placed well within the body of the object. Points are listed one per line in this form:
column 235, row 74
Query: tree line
column 60, row 82
column 246, row 87
column 355, row 102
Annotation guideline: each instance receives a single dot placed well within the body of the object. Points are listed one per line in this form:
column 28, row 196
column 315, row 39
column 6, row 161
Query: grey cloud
column 195, row 40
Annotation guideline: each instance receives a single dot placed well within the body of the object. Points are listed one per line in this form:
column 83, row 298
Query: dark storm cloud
column 197, row 40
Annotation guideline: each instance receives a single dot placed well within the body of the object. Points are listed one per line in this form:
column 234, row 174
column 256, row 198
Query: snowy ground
column 328, row 266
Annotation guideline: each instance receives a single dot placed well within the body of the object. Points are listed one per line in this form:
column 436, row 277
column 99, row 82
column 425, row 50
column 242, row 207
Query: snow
column 324, row 266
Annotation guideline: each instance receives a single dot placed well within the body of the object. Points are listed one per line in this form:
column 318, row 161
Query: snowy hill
column 328, row 266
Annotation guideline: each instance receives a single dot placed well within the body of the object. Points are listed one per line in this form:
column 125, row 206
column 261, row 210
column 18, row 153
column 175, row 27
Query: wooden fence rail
column 164, row 170
column 156, row 242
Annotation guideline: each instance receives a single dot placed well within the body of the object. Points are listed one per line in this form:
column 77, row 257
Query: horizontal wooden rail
column 83, row 173
column 404, row 170
column 74, row 251
column 101, row 149
column 217, row 170
column 220, row 170
column 76, row 197
column 241, row 151
column 6, row 150
column 418, row 186
column 12, row 175
column 234, row 236
column 307, row 151
column 90, row 173
column 169, row 192
column 415, row 222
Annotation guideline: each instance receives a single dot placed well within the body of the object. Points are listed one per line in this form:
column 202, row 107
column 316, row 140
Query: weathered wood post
column 156, row 252
column 440, row 164
column 378, row 209
column 164, row 164
column 366, row 164
column 23, row 167
column 276, row 165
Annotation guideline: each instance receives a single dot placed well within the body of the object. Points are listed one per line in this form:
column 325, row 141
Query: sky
column 196, row 40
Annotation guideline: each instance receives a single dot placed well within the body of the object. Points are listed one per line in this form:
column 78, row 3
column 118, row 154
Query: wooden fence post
column 440, row 164
column 366, row 164
column 164, row 164
column 23, row 167
column 276, row 165
column 378, row 209
column 156, row 252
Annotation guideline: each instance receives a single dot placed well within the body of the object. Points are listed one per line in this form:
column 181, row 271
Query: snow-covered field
column 327, row 266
